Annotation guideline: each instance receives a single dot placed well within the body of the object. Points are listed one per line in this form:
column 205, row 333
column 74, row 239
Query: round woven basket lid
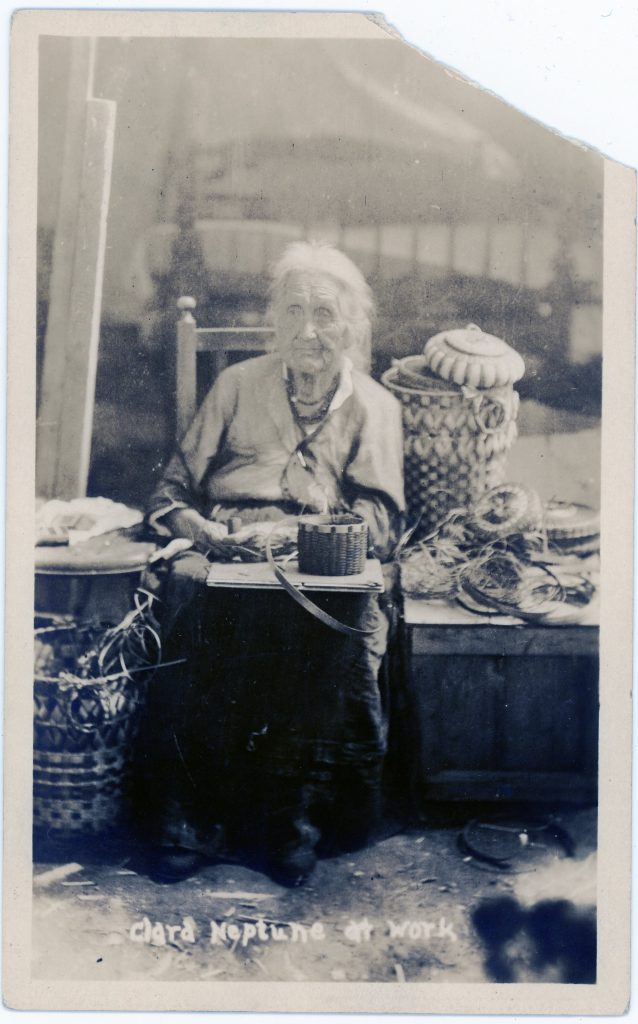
column 472, row 357
column 569, row 521
column 102, row 555
column 508, row 508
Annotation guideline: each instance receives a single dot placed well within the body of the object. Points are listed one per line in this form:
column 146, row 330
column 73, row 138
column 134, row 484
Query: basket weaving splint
column 456, row 434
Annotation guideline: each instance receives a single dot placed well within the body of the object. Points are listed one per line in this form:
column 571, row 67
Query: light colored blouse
column 246, row 445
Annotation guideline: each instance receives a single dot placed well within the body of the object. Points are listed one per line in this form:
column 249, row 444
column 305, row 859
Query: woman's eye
column 323, row 315
column 295, row 311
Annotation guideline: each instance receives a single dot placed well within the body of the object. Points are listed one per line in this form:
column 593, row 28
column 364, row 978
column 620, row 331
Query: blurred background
column 456, row 207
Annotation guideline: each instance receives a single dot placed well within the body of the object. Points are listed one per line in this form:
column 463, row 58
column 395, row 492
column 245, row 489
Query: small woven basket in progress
column 332, row 545
column 84, row 732
column 455, row 439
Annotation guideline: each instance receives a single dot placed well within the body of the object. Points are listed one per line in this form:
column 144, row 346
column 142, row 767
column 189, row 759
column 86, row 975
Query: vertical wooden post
column 83, row 331
column 50, row 413
column 71, row 344
column 186, row 365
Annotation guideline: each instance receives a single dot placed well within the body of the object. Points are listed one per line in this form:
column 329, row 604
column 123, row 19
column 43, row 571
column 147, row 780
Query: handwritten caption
column 243, row 933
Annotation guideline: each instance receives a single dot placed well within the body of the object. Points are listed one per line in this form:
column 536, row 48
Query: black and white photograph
column 317, row 366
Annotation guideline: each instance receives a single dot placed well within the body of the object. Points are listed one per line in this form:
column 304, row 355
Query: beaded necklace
column 319, row 413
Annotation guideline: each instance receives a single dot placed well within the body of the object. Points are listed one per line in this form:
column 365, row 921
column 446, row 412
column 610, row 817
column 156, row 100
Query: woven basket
column 83, row 739
column 455, row 439
column 332, row 545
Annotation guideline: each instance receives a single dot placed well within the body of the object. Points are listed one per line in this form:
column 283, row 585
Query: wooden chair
column 218, row 342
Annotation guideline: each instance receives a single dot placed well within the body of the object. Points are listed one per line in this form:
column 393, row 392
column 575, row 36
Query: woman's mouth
column 308, row 352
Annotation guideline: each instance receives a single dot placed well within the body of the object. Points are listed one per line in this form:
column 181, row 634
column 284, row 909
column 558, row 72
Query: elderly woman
column 271, row 738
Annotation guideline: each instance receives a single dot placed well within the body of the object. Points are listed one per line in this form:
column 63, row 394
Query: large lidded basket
column 459, row 419
column 84, row 730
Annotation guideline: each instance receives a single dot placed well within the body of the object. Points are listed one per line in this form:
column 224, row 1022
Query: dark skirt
column 274, row 718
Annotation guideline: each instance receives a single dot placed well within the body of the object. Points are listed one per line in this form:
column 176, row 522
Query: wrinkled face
column 311, row 331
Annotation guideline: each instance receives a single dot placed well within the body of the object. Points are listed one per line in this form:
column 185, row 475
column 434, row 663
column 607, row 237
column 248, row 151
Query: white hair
column 355, row 295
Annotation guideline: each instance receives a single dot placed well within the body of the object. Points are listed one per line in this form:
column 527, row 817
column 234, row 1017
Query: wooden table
column 495, row 709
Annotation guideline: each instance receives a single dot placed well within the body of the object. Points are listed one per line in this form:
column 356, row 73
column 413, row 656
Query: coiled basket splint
column 459, row 419
column 84, row 731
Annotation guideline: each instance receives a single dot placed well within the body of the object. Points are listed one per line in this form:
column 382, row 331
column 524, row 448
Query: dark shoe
column 292, row 867
column 170, row 864
column 350, row 813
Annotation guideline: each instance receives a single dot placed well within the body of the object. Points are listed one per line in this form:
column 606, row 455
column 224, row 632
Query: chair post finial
column 186, row 304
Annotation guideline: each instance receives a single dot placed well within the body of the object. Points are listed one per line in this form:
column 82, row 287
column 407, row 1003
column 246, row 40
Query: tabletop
column 259, row 576
column 440, row 627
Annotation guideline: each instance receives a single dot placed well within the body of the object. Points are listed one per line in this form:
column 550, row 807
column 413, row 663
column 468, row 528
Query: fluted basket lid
column 472, row 357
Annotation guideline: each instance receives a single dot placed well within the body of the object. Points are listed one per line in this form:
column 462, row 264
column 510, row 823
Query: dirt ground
column 403, row 910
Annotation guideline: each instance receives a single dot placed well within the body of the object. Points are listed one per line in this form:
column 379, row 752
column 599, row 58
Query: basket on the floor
column 332, row 545
column 455, row 438
column 84, row 731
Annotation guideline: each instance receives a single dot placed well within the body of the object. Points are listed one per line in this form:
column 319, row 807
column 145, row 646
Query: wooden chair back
column 218, row 342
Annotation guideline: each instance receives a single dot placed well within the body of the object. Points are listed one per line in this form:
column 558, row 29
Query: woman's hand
column 214, row 540
column 262, row 530
column 254, row 536
column 206, row 536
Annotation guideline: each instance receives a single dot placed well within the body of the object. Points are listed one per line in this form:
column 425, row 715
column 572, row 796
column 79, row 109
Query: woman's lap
column 270, row 703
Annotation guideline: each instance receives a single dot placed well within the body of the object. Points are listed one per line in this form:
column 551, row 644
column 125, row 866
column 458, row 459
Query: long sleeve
column 374, row 475
column 385, row 523
column 181, row 483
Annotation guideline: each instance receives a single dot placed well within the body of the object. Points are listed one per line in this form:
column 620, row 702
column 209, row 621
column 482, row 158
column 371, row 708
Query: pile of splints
column 74, row 653
column 509, row 554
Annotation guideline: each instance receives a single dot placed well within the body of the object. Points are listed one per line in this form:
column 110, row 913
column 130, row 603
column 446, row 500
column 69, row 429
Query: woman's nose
column 308, row 330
